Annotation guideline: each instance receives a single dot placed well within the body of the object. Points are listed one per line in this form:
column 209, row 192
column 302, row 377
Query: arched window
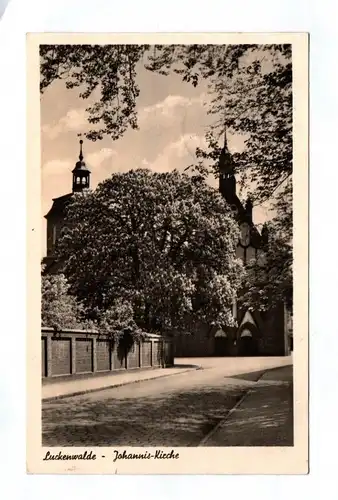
column 83, row 180
column 77, row 180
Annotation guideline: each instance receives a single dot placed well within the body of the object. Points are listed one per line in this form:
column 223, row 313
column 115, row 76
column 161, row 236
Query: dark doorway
column 247, row 346
column 222, row 346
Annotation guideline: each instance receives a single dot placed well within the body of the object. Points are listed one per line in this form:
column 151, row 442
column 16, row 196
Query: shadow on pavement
column 250, row 376
column 187, row 366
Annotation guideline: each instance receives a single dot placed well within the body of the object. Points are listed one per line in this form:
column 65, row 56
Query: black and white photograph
column 168, row 285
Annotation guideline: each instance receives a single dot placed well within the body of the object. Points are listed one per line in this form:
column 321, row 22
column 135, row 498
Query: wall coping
column 47, row 329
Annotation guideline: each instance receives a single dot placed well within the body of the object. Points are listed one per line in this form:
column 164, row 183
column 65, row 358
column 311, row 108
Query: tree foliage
column 60, row 309
column 108, row 71
column 250, row 88
column 164, row 243
column 118, row 321
column 251, row 95
column 269, row 279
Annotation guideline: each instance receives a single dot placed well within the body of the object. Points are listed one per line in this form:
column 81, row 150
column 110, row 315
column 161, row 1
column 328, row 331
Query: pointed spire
column 225, row 160
column 225, row 146
column 227, row 181
column 81, row 154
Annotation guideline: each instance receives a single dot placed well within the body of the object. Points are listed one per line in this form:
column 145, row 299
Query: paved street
column 179, row 410
column 264, row 417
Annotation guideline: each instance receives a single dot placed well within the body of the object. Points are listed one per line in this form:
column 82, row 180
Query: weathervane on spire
column 81, row 154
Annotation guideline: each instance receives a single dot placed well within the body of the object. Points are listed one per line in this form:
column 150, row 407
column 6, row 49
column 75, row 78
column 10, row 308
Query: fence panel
column 61, row 356
column 119, row 360
column 146, row 354
column 156, row 353
column 103, row 350
column 84, row 355
column 134, row 356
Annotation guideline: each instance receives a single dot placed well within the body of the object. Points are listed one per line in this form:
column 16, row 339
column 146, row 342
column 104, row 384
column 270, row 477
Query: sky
column 172, row 118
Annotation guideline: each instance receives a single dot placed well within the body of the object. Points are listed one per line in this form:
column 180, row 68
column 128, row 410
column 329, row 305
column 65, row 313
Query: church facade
column 257, row 333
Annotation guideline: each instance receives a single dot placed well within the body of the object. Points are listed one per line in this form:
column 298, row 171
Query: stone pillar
column 94, row 355
column 73, row 354
column 111, row 354
column 286, row 331
column 49, row 356
column 162, row 347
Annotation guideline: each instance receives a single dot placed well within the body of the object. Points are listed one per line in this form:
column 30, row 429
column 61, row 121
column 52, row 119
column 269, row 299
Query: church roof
column 59, row 205
column 80, row 165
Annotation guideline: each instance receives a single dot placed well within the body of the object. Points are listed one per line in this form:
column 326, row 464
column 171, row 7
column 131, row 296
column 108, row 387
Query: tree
column 164, row 243
column 59, row 309
column 251, row 95
column 118, row 321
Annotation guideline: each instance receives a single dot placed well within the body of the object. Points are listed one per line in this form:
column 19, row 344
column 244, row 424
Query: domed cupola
column 81, row 173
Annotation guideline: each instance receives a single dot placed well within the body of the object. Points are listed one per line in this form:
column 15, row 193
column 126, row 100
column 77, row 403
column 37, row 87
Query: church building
column 257, row 333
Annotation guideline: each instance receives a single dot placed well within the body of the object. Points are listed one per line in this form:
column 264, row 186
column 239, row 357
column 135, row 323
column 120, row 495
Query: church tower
column 81, row 174
column 227, row 180
column 56, row 215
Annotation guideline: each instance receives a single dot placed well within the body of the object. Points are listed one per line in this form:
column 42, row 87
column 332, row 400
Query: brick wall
column 271, row 338
column 199, row 343
column 76, row 352
column 274, row 335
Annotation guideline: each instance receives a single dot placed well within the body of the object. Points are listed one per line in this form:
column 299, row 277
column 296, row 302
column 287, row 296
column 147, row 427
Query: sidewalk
column 263, row 417
column 63, row 388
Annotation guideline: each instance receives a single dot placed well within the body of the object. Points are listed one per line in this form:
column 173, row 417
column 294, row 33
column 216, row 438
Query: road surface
column 178, row 410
